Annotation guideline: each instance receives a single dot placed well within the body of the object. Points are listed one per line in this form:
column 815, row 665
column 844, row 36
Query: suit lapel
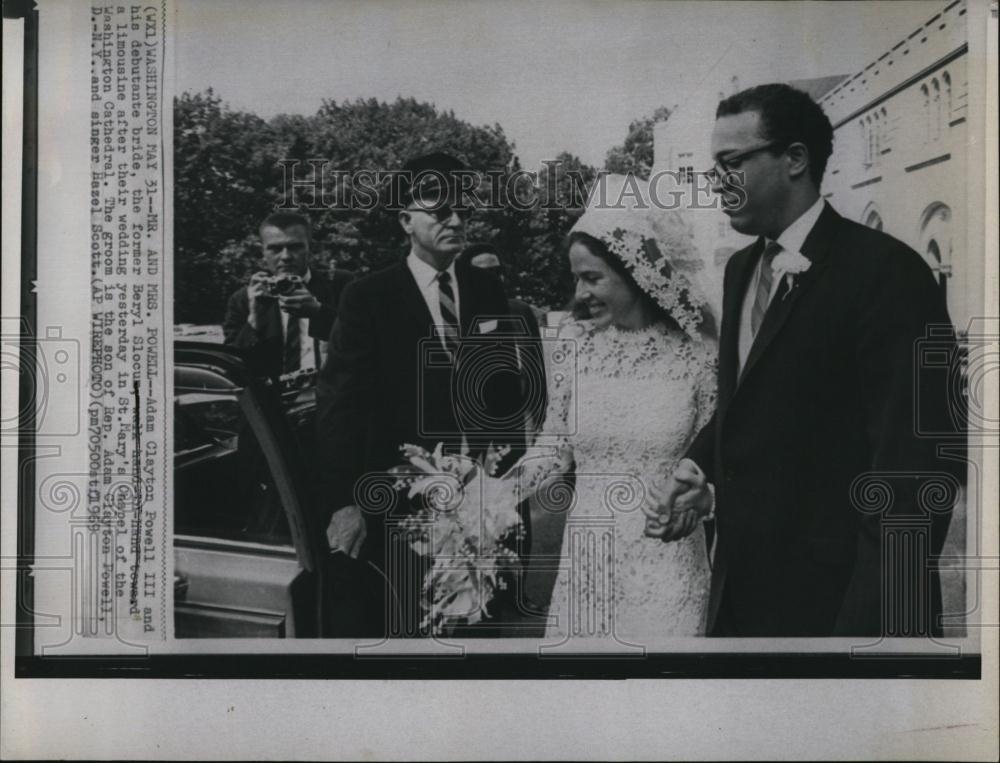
column 470, row 296
column 411, row 298
column 816, row 249
column 319, row 287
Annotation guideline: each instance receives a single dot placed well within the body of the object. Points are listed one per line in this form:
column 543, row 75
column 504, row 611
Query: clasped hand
column 674, row 509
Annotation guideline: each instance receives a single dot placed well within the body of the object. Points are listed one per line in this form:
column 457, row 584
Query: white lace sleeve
column 552, row 452
column 706, row 398
column 706, row 381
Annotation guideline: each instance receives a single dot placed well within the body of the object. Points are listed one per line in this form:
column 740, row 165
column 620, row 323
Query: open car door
column 246, row 558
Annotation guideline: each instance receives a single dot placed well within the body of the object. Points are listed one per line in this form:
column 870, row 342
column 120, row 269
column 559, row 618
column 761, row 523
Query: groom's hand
column 674, row 512
column 346, row 531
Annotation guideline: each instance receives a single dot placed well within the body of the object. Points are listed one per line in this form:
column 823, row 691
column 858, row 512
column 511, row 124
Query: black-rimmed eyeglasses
column 731, row 162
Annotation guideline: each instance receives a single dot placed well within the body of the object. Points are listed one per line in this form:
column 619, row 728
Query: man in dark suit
column 284, row 332
column 417, row 356
column 486, row 256
column 821, row 403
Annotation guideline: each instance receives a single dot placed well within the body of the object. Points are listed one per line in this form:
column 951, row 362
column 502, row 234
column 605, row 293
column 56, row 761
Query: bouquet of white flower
column 466, row 520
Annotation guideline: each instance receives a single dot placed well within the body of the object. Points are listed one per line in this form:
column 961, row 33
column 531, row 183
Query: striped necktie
column 764, row 286
column 449, row 314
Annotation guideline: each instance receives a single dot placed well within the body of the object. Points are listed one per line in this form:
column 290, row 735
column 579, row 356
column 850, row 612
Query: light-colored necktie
column 764, row 286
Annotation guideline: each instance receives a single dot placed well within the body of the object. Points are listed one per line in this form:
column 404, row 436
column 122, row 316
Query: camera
column 49, row 371
column 282, row 285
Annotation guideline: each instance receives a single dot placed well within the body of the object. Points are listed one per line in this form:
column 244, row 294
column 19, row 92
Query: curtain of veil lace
column 650, row 229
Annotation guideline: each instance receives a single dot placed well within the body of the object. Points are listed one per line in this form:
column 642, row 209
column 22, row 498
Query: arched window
column 874, row 220
column 927, row 112
column 876, row 141
column 933, row 256
column 946, row 78
column 936, row 110
column 934, row 253
column 885, row 131
column 872, row 217
column 870, row 147
column 935, row 241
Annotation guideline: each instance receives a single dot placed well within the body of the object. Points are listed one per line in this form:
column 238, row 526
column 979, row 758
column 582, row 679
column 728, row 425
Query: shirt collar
column 426, row 274
column 794, row 236
column 308, row 276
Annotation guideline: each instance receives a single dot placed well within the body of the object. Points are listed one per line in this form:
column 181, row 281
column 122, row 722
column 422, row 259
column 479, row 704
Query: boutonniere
column 787, row 265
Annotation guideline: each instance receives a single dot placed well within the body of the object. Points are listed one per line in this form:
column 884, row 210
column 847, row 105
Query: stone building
column 900, row 145
column 900, row 149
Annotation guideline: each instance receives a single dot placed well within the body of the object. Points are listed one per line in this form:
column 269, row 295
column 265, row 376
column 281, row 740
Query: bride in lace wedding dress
column 630, row 387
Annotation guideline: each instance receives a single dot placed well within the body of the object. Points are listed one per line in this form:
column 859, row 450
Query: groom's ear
column 406, row 221
column 798, row 160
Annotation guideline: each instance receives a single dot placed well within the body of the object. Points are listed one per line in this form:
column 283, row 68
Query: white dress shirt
column 427, row 281
column 791, row 240
column 308, row 347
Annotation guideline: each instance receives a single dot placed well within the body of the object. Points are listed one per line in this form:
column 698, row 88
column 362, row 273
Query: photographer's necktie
column 764, row 286
column 293, row 346
column 446, row 300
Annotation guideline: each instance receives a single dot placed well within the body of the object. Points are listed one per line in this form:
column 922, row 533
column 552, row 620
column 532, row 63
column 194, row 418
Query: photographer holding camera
column 282, row 319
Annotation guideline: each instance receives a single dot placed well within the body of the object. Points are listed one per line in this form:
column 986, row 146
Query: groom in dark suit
column 418, row 356
column 821, row 399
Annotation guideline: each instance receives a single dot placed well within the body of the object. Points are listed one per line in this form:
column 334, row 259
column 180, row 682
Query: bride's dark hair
column 597, row 248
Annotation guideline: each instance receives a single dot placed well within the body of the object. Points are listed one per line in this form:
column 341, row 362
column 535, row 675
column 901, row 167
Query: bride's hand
column 681, row 525
column 659, row 507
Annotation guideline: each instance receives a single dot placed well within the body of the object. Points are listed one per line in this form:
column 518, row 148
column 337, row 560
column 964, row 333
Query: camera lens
column 287, row 284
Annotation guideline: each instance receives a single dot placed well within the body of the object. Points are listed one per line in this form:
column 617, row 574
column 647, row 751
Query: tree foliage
column 635, row 155
column 224, row 176
column 230, row 169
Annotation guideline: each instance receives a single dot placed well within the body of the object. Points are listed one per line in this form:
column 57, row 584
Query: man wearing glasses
column 417, row 355
column 819, row 398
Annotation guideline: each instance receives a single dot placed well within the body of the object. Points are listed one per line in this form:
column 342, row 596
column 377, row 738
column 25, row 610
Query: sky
column 557, row 75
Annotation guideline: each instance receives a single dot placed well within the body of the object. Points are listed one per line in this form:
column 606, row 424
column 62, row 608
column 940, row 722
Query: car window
column 223, row 485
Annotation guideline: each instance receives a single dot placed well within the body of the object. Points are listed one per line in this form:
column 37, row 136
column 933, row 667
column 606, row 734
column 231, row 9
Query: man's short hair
column 286, row 220
column 788, row 116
